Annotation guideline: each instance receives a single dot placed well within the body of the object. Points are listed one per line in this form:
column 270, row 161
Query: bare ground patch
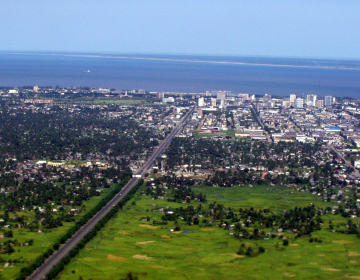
column 342, row 242
column 354, row 254
column 286, row 274
column 145, row 242
column 142, row 257
column 123, row 232
column 354, row 262
column 165, row 236
column 207, row 229
column 115, row 258
column 149, row 226
column 353, row 276
column 329, row 269
column 295, row 244
column 158, row 266
column 233, row 255
column 313, row 263
column 321, row 255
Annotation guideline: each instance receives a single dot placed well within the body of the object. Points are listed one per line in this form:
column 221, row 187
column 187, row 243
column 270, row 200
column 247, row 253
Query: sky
column 280, row 28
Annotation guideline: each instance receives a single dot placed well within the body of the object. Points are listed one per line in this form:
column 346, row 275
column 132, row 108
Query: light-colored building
column 221, row 95
column 201, row 102
column 160, row 95
column 35, row 88
column 168, row 99
column 311, row 99
column 319, row 103
column 292, row 98
column 328, row 100
column 299, row 103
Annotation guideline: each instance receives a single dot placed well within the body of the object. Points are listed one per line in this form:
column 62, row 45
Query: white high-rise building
column 311, row 100
column 328, row 100
column 201, row 102
column 292, row 98
column 299, row 103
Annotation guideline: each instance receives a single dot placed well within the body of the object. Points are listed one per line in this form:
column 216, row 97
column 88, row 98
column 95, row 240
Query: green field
column 229, row 132
column 124, row 101
column 42, row 241
column 128, row 244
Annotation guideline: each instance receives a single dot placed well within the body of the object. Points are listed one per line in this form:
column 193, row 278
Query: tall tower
column 201, row 102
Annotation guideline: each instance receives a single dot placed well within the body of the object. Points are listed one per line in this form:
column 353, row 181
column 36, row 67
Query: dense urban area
column 248, row 179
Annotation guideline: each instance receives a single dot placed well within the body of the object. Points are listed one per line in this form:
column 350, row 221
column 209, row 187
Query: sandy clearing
column 207, row 229
column 329, row 269
column 149, row 226
column 355, row 262
column 165, row 236
column 294, row 244
column 142, row 257
column 313, row 263
column 233, row 255
column 342, row 242
column 158, row 266
column 321, row 255
column 353, row 276
column 123, row 232
column 115, row 258
column 145, row 242
column 354, row 254
column 286, row 274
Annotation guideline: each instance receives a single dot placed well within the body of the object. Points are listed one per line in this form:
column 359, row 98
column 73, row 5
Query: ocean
column 183, row 73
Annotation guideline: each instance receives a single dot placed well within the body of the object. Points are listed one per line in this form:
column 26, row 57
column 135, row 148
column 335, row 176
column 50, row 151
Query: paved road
column 348, row 164
column 43, row 270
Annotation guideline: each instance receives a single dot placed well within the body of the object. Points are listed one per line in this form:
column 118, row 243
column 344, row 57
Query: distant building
column 292, row 98
column 221, row 95
column 299, row 103
column 357, row 164
column 319, row 103
column 311, row 99
column 35, row 88
column 244, row 96
column 328, row 100
column 201, row 102
column 286, row 104
column 168, row 99
column 213, row 102
column 160, row 95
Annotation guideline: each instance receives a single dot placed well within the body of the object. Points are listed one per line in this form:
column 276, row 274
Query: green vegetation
column 131, row 243
column 121, row 101
column 42, row 241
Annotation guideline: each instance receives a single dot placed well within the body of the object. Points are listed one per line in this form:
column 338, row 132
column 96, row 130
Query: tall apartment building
column 328, row 100
column 292, row 98
column 299, row 103
column 201, row 102
column 319, row 103
column 311, row 99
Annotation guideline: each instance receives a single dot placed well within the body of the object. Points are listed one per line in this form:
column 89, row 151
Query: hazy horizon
column 280, row 28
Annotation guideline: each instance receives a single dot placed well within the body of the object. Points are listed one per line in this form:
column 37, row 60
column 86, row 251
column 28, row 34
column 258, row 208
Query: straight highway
column 63, row 251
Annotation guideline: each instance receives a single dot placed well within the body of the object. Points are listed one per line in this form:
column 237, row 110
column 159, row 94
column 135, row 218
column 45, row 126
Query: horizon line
column 126, row 56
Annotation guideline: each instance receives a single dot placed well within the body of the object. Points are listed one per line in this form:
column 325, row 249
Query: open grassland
column 42, row 241
column 128, row 244
column 125, row 102
column 223, row 133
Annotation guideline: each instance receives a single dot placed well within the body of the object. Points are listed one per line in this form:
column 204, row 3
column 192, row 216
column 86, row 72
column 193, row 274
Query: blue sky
column 287, row 28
